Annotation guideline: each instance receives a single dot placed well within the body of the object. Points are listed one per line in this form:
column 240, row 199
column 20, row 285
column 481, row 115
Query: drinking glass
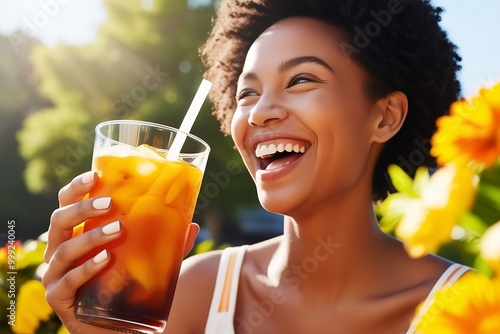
column 153, row 198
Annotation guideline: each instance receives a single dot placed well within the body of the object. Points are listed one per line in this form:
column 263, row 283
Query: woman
column 328, row 94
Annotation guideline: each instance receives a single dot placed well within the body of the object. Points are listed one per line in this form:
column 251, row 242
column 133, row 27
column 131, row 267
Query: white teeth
column 271, row 149
column 265, row 150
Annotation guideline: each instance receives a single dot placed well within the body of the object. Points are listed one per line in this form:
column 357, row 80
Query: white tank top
column 221, row 314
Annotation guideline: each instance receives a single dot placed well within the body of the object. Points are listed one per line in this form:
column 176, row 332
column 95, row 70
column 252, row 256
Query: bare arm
column 193, row 295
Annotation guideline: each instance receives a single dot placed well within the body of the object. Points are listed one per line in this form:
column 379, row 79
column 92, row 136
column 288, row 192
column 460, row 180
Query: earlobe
column 391, row 113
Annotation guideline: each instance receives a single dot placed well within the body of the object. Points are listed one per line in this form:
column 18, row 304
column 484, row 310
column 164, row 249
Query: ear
column 390, row 113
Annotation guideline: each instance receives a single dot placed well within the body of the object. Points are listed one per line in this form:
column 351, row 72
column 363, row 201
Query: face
column 303, row 124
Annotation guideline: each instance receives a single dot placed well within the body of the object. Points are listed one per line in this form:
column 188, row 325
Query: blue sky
column 473, row 25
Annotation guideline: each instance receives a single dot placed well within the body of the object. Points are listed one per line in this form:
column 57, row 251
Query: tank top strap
column 221, row 314
column 450, row 276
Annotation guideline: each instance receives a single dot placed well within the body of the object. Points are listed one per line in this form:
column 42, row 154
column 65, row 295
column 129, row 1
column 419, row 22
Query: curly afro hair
column 398, row 43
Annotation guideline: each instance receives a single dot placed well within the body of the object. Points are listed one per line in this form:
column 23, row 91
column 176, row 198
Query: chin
column 276, row 204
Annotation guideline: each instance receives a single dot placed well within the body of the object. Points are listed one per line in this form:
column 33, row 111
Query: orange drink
column 154, row 200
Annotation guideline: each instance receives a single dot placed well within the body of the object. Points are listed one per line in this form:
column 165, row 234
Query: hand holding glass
column 153, row 198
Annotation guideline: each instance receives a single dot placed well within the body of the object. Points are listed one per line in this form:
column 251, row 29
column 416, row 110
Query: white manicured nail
column 101, row 203
column 111, row 228
column 103, row 255
column 88, row 177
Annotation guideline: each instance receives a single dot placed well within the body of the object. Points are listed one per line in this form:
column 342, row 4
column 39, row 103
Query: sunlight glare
column 53, row 21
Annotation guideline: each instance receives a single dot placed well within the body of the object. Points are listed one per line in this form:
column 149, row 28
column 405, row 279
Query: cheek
column 344, row 141
column 238, row 129
column 334, row 112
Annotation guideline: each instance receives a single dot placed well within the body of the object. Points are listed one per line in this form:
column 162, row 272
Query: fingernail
column 103, row 255
column 101, row 203
column 111, row 228
column 88, row 177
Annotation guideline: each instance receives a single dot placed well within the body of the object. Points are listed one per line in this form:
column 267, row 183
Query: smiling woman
column 316, row 127
column 283, row 82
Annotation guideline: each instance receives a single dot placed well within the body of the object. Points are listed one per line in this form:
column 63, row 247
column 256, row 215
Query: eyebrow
column 286, row 65
column 290, row 63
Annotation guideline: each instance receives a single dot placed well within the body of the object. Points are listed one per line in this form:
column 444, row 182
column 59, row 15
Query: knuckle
column 61, row 253
column 61, row 192
column 55, row 217
column 68, row 282
column 93, row 235
column 75, row 181
column 80, row 206
column 50, row 299
column 87, row 268
column 46, row 255
column 45, row 281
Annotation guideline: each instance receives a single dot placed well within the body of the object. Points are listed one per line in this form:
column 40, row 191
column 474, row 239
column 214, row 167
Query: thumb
column 194, row 229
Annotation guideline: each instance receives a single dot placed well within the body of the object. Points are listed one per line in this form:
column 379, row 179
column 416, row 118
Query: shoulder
column 421, row 276
column 418, row 277
column 206, row 263
column 443, row 278
column 196, row 284
column 406, row 283
column 193, row 294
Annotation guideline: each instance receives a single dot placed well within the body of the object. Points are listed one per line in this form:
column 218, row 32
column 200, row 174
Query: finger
column 194, row 229
column 65, row 218
column 70, row 251
column 61, row 293
column 77, row 188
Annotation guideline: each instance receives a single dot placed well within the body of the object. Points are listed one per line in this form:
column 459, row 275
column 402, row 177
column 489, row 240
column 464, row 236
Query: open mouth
column 274, row 156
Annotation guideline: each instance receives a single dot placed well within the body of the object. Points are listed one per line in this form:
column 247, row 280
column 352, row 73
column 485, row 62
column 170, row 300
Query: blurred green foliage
column 18, row 100
column 143, row 65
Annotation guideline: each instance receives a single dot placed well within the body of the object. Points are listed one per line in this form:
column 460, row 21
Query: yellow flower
column 471, row 132
column 15, row 251
column 428, row 221
column 31, row 307
column 471, row 305
column 490, row 247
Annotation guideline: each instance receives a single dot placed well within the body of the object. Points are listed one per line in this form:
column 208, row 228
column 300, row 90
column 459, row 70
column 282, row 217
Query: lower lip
column 273, row 174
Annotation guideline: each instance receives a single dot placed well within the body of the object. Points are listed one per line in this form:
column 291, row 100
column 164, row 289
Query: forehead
column 295, row 37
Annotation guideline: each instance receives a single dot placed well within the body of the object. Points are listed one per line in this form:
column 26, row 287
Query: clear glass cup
column 154, row 200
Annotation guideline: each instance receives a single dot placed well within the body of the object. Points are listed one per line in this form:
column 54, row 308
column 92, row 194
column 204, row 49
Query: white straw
column 187, row 122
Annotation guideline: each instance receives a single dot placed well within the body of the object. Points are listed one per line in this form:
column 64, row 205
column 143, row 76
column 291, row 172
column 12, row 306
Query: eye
column 245, row 93
column 301, row 78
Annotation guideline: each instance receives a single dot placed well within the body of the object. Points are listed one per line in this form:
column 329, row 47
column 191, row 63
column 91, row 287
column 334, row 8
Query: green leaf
column 491, row 175
column 392, row 210
column 482, row 266
column 491, row 193
column 388, row 223
column 472, row 224
column 401, row 181
column 32, row 254
column 421, row 179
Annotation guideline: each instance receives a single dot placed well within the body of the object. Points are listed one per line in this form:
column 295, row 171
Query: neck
column 334, row 247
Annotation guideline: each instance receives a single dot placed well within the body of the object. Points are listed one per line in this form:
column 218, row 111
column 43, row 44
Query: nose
column 267, row 111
